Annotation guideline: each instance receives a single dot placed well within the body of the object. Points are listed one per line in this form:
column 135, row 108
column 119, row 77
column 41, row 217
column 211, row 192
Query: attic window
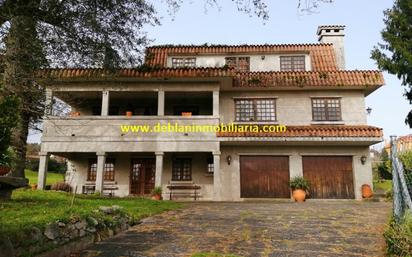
column 183, row 62
column 292, row 63
column 238, row 63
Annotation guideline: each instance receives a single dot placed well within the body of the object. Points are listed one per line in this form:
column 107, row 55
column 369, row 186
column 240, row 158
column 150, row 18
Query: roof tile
column 313, row 131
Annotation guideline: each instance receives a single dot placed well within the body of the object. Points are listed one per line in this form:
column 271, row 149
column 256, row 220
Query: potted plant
column 157, row 193
column 300, row 187
column 129, row 113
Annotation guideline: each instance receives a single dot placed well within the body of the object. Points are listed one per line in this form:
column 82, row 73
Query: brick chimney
column 334, row 34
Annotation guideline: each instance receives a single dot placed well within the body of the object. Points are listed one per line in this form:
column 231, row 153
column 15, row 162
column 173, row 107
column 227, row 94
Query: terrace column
column 217, row 182
column 105, row 102
column 161, row 102
column 43, row 163
column 159, row 168
column 48, row 110
column 216, row 103
column 101, row 159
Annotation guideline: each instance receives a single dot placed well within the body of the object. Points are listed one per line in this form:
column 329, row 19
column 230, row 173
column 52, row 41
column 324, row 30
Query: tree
column 395, row 54
column 74, row 33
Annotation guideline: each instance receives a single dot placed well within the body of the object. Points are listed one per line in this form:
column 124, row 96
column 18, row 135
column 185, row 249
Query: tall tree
column 395, row 54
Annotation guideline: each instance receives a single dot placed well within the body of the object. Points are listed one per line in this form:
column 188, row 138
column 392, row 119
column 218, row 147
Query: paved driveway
column 322, row 228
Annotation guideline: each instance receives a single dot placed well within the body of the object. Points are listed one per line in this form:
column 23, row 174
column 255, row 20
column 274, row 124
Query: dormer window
column 183, row 62
column 238, row 63
column 292, row 63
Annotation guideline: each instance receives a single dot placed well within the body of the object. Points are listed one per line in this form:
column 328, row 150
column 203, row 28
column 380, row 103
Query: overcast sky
column 363, row 19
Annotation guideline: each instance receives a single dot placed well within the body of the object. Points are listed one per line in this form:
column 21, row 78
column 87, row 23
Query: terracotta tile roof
column 134, row 73
column 322, row 55
column 361, row 79
column 407, row 138
column 309, row 78
column 313, row 131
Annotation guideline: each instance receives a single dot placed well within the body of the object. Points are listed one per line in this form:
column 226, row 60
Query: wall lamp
column 363, row 159
column 368, row 110
column 228, row 159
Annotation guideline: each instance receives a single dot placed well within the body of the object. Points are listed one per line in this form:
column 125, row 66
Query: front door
column 142, row 176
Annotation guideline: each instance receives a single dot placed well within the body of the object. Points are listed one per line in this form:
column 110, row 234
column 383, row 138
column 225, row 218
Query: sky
column 195, row 24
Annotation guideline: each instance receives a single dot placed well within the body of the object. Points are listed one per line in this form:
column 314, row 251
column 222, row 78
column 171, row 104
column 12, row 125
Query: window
column 326, row 109
column 108, row 170
column 255, row 109
column 292, row 63
column 182, row 169
column 239, row 63
column 183, row 62
column 210, row 166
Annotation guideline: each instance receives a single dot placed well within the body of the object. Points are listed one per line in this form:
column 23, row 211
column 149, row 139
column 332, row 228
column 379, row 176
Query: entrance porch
column 136, row 174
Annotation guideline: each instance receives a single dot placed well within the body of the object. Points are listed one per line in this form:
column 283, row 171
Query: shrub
column 299, row 183
column 406, row 159
column 399, row 237
column 61, row 186
column 157, row 191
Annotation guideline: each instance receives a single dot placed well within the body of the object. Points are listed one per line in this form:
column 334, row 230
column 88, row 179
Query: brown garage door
column 264, row 177
column 330, row 176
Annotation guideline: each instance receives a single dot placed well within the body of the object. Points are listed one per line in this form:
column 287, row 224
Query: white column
column 48, row 103
column 42, row 175
column 161, row 102
column 216, row 103
column 217, row 180
column 159, row 168
column 105, row 102
column 101, row 159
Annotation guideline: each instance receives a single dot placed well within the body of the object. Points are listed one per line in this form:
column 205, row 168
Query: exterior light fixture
column 262, row 57
column 363, row 159
column 228, row 159
column 368, row 110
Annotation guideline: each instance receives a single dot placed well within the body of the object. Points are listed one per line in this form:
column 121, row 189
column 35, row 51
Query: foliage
column 157, row 190
column 406, row 159
column 399, row 237
column 53, row 165
column 61, row 186
column 395, row 55
column 51, row 179
column 37, row 208
column 384, row 168
column 8, row 120
column 299, row 182
column 384, row 185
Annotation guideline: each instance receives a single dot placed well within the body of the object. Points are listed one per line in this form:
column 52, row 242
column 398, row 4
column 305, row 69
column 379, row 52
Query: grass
column 399, row 237
column 50, row 180
column 30, row 208
column 385, row 185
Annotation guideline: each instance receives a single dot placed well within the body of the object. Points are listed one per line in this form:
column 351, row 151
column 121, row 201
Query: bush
column 299, row 183
column 399, row 237
column 61, row 186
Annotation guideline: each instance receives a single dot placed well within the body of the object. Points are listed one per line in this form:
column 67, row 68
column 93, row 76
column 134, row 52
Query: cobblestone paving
column 321, row 228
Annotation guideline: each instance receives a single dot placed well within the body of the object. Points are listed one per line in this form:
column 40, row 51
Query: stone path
column 321, row 228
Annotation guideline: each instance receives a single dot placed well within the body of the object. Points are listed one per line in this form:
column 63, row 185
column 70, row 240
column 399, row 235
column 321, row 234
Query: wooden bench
column 191, row 190
column 108, row 188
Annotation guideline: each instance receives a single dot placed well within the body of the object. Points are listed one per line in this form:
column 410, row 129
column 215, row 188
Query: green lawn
column 385, row 185
column 37, row 208
column 51, row 177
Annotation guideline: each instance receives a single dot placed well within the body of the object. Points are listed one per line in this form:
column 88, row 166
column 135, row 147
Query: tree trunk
column 22, row 58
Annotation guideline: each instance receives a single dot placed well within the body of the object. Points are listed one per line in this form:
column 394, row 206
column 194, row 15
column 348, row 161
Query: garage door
column 264, row 177
column 330, row 176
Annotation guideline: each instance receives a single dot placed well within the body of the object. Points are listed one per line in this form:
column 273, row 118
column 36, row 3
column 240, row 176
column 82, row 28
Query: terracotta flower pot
column 188, row 114
column 34, row 186
column 129, row 113
column 157, row 197
column 4, row 170
column 366, row 191
column 299, row 195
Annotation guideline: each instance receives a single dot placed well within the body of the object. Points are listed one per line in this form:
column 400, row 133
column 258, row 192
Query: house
column 304, row 87
column 403, row 144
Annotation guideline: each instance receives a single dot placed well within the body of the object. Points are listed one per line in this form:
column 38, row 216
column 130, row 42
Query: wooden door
column 264, row 177
column 331, row 177
column 142, row 176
